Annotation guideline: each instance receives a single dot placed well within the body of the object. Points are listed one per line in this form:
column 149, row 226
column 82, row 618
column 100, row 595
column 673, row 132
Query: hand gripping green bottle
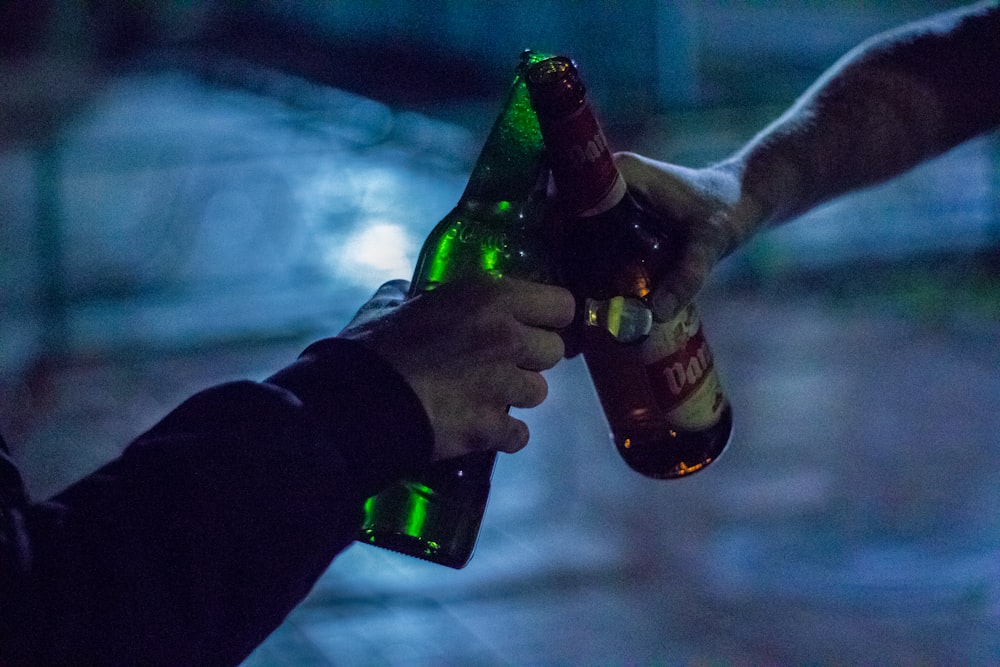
column 494, row 229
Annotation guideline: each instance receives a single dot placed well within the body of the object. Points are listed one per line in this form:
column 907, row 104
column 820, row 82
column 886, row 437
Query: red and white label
column 583, row 166
column 677, row 376
column 681, row 372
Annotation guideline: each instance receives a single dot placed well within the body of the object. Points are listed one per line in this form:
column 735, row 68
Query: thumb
column 669, row 191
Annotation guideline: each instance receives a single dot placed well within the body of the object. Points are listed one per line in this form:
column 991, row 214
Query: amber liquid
column 648, row 442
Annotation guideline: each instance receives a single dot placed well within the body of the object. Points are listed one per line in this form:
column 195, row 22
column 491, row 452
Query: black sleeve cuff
column 363, row 407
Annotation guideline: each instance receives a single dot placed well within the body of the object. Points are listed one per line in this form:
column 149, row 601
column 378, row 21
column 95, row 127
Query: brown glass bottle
column 662, row 396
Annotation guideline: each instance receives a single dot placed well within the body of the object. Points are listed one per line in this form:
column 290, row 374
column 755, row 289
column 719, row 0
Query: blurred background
column 191, row 192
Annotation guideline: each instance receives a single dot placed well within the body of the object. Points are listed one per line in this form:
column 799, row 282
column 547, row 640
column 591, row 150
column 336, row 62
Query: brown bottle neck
column 587, row 180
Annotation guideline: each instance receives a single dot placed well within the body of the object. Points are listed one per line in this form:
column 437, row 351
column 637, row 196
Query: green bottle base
column 437, row 521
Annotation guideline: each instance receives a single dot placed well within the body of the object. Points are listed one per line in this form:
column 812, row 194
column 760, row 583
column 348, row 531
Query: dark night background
column 191, row 192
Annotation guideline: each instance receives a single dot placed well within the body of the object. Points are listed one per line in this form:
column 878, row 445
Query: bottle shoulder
column 494, row 240
column 620, row 252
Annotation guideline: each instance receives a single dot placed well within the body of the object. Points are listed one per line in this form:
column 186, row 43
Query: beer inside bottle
column 668, row 414
column 665, row 406
column 493, row 230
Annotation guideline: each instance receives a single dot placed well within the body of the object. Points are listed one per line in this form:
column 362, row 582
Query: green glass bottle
column 494, row 229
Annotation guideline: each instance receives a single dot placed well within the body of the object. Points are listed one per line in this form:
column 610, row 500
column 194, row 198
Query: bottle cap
column 555, row 86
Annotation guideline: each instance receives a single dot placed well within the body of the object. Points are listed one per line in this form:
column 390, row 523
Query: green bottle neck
column 512, row 160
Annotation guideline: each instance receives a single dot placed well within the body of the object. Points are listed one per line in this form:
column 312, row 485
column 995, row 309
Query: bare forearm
column 889, row 104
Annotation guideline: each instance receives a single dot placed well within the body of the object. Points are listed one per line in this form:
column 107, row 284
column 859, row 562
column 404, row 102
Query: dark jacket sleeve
column 194, row 544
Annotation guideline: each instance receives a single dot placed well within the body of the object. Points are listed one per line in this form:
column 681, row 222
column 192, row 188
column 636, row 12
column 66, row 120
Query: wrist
column 359, row 405
column 740, row 214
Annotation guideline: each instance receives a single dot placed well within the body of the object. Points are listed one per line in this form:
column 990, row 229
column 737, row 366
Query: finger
column 526, row 389
column 512, row 434
column 496, row 432
column 665, row 302
column 679, row 287
column 540, row 305
column 542, row 349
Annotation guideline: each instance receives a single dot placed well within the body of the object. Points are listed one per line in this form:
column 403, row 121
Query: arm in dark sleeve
column 195, row 544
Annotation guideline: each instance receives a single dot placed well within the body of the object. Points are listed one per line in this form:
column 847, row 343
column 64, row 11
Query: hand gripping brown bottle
column 662, row 397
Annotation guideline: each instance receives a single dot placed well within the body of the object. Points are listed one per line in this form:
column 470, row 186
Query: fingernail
column 664, row 304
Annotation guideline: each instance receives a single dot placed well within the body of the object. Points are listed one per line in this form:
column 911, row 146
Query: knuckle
column 510, row 339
